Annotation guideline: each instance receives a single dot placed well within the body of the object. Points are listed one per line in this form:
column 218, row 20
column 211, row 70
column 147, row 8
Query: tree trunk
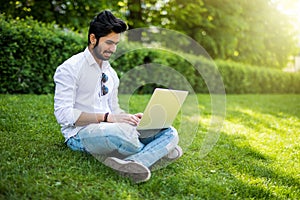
column 135, row 19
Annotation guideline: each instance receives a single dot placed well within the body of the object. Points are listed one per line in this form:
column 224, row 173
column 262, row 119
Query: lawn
column 257, row 155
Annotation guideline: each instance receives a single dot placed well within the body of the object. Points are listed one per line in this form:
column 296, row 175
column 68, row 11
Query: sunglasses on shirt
column 104, row 89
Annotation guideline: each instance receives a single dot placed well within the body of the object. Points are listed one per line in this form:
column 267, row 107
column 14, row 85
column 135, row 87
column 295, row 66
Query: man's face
column 107, row 46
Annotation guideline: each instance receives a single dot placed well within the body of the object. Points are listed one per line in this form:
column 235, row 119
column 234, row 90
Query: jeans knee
column 175, row 135
column 173, row 138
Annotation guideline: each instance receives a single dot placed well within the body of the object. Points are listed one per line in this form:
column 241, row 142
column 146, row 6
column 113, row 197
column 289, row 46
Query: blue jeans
column 103, row 139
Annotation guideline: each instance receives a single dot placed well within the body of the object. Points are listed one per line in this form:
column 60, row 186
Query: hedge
column 241, row 79
column 31, row 51
column 237, row 78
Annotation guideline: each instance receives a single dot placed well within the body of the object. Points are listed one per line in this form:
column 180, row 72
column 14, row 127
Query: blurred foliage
column 65, row 13
column 30, row 52
column 253, row 32
column 202, row 74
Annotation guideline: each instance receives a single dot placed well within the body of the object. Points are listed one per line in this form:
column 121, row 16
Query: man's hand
column 125, row 118
column 139, row 115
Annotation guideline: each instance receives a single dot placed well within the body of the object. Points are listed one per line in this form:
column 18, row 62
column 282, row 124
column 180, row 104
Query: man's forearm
column 93, row 118
column 89, row 118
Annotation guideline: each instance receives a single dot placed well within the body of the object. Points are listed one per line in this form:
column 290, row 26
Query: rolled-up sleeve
column 64, row 98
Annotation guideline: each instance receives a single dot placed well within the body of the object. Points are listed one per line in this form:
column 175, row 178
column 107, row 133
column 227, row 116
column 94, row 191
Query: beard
column 102, row 56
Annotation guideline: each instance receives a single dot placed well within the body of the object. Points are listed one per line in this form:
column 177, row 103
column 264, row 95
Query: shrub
column 30, row 52
column 148, row 69
column 240, row 78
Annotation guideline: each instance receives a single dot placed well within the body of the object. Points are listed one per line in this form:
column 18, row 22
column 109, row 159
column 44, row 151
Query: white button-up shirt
column 78, row 89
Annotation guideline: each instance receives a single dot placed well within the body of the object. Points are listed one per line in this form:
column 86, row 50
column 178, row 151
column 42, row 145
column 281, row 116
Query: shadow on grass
column 238, row 171
column 35, row 164
column 222, row 174
column 280, row 106
column 232, row 170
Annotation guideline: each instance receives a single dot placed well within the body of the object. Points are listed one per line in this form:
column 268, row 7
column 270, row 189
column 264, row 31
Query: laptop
column 161, row 111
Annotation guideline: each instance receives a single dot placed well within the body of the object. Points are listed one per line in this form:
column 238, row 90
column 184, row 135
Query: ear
column 93, row 39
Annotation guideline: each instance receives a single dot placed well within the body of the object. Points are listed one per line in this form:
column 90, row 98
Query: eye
column 110, row 42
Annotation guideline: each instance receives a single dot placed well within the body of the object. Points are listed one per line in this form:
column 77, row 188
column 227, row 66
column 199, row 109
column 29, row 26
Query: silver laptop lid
column 162, row 109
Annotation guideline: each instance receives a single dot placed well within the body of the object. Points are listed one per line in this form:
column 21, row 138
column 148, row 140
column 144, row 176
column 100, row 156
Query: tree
column 268, row 39
column 141, row 14
column 253, row 32
column 65, row 13
column 136, row 18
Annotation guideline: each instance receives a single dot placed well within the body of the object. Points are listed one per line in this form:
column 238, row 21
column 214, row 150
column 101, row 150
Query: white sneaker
column 134, row 170
column 175, row 153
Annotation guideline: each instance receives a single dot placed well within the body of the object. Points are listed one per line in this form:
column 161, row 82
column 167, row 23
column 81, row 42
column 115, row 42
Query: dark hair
column 105, row 23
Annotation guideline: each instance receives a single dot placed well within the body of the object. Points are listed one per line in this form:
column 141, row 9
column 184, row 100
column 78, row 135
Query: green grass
column 256, row 157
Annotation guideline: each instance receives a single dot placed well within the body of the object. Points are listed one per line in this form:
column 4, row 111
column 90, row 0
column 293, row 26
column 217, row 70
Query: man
column 86, row 106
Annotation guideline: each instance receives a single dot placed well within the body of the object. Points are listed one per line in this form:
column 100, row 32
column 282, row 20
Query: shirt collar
column 91, row 61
